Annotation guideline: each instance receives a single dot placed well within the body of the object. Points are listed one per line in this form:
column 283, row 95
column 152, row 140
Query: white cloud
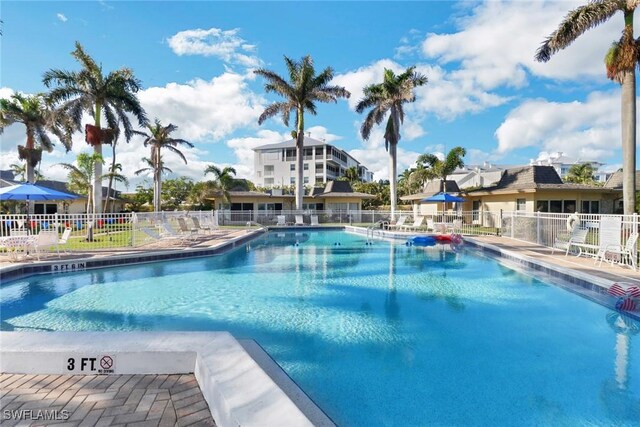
column 446, row 95
column 205, row 110
column 223, row 44
column 497, row 41
column 587, row 130
column 61, row 17
column 377, row 160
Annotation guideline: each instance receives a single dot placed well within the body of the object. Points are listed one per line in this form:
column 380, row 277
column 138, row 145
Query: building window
column 319, row 151
column 292, row 167
column 268, row 170
column 521, row 204
column 542, row 206
column 266, row 206
column 268, row 181
column 45, row 208
column 306, row 166
column 306, row 179
column 569, row 206
column 590, row 206
column 555, row 206
column 292, row 180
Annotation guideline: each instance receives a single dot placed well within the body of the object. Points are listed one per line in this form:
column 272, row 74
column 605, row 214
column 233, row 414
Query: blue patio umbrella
column 443, row 198
column 29, row 192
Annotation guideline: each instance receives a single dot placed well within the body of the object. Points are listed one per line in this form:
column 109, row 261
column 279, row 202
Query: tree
column 389, row 97
column 224, row 180
column 621, row 61
column 300, row 94
column 378, row 189
column 21, row 171
column 581, row 174
column 150, row 168
column 352, row 175
column 440, row 169
column 89, row 90
column 141, row 197
column 176, row 191
column 38, row 118
column 159, row 137
column 81, row 177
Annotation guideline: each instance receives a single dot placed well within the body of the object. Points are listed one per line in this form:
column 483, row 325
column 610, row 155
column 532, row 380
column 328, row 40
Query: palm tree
column 111, row 96
column 581, row 174
column 420, row 176
column 442, row 168
column 223, row 178
column 621, row 61
column 150, row 168
column 352, row 175
column 300, row 94
column 21, row 171
column 81, row 177
column 389, row 97
column 159, row 137
column 38, row 118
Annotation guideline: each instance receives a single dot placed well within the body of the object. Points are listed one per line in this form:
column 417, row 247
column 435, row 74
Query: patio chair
column 184, row 228
column 47, row 239
column 20, row 232
column 399, row 223
column 577, row 238
column 431, row 225
column 455, row 227
column 65, row 237
column 314, row 220
column 417, row 223
column 281, row 220
column 170, row 232
column 157, row 236
column 198, row 226
column 299, row 220
column 624, row 252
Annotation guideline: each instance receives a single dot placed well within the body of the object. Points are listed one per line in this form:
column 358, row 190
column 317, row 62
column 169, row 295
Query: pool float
column 422, row 241
column 443, row 238
column 573, row 221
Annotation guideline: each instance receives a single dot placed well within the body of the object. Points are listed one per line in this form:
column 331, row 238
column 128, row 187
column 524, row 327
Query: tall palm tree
column 442, row 168
column 38, row 118
column 21, row 171
column 389, row 97
column 150, row 167
column 111, row 96
column 159, row 137
column 300, row 94
column 621, row 61
column 352, row 175
column 224, row 178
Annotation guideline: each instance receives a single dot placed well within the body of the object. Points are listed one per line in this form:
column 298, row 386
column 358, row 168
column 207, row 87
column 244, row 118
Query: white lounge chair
column 624, row 252
column 281, row 220
column 399, row 223
column 431, row 225
column 455, row 227
column 417, row 223
column 170, row 232
column 65, row 237
column 314, row 220
column 198, row 226
column 47, row 239
column 185, row 229
column 299, row 220
column 577, row 238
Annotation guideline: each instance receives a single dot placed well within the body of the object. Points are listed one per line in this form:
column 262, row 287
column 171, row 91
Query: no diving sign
column 102, row 364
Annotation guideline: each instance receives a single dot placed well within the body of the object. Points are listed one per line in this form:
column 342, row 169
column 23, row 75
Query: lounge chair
column 577, row 238
column 170, row 232
column 281, row 220
column 314, row 220
column 455, row 227
column 417, row 223
column 399, row 223
column 185, row 229
column 299, row 220
column 65, row 237
column 431, row 225
column 624, row 252
column 198, row 226
column 156, row 236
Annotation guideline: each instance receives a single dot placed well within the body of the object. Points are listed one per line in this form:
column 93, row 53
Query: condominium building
column 275, row 164
column 562, row 163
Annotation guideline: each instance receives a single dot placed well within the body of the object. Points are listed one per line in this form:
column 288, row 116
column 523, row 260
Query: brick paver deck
column 102, row 400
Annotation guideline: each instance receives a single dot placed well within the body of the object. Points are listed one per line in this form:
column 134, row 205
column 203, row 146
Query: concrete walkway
column 615, row 273
column 102, row 400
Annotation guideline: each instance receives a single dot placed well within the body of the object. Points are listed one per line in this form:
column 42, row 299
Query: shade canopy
column 443, row 198
column 28, row 191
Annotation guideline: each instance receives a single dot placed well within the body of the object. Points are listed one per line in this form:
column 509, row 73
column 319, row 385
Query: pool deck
column 584, row 265
column 103, row 400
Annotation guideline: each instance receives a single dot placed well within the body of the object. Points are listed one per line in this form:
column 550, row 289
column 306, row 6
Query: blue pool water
column 377, row 335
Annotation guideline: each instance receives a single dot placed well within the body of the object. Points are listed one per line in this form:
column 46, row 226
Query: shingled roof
column 533, row 177
column 615, row 180
column 435, row 187
column 341, row 189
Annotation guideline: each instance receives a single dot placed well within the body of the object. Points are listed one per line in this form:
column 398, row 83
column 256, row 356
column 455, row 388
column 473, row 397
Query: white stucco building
column 562, row 164
column 275, row 164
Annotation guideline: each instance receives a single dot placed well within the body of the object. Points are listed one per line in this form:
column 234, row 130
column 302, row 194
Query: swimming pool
column 376, row 335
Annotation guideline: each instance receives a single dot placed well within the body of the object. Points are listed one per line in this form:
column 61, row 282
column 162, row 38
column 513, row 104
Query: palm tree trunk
column 629, row 142
column 157, row 179
column 300, row 160
column 97, row 167
column 392, row 178
column 113, row 165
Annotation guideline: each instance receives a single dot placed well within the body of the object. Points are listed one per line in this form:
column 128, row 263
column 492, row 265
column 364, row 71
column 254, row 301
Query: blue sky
column 195, row 60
